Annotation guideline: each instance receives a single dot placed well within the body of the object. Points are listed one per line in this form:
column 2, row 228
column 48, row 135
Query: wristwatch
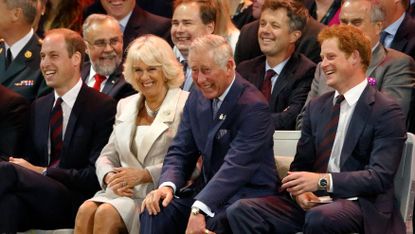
column 322, row 183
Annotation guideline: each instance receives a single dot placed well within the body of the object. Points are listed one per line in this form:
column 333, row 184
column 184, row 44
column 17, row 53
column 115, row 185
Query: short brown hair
column 73, row 40
column 350, row 39
column 296, row 12
column 207, row 10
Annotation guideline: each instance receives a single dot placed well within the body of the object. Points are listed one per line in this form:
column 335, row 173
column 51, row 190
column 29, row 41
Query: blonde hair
column 153, row 51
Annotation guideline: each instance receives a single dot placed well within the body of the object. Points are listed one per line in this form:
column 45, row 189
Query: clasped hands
column 301, row 185
column 122, row 180
column 196, row 223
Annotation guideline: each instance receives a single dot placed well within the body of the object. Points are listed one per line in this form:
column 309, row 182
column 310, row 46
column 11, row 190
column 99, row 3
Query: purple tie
column 326, row 145
column 56, row 124
column 266, row 86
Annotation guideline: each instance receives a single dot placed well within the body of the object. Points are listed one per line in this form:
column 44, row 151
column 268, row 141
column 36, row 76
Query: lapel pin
column 112, row 81
column 28, row 54
column 222, row 117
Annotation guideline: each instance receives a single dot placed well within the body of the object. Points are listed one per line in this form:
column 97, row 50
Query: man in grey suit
column 391, row 71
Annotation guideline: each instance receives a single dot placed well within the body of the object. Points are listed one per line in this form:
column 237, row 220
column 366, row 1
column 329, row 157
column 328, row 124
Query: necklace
column 150, row 112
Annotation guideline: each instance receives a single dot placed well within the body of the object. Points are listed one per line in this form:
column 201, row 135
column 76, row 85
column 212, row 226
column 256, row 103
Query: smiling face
column 187, row 25
column 150, row 80
column 104, row 46
column 337, row 65
column 58, row 68
column 211, row 79
column 118, row 8
column 357, row 14
column 274, row 34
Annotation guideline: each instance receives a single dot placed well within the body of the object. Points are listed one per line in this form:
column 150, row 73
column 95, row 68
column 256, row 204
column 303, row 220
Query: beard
column 107, row 64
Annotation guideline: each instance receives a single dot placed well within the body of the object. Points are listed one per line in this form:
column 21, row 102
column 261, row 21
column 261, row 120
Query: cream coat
column 150, row 154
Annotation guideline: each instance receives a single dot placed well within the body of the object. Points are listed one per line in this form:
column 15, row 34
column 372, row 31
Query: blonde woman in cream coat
column 130, row 164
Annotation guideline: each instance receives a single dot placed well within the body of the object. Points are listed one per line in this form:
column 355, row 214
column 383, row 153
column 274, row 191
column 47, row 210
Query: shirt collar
column 376, row 46
column 70, row 97
column 393, row 28
column 178, row 54
column 353, row 95
column 18, row 45
column 278, row 68
column 222, row 97
column 123, row 22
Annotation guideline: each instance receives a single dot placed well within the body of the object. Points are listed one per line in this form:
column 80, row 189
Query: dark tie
column 184, row 63
column 267, row 85
column 8, row 58
column 56, row 124
column 326, row 145
column 383, row 36
column 215, row 106
column 98, row 81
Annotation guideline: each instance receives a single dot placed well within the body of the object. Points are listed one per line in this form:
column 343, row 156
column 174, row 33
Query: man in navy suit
column 398, row 33
column 135, row 21
column 45, row 190
column 19, row 50
column 226, row 121
column 350, row 149
column 104, row 44
column 290, row 73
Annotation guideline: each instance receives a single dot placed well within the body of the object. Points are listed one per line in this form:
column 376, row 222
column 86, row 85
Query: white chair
column 285, row 146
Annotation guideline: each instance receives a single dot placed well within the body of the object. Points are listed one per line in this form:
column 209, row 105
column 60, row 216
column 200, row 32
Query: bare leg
column 84, row 223
column 108, row 220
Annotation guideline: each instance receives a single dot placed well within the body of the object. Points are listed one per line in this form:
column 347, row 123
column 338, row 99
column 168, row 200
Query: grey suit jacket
column 393, row 71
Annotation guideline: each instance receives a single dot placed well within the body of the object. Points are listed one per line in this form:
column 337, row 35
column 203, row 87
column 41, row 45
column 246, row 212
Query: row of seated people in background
column 213, row 78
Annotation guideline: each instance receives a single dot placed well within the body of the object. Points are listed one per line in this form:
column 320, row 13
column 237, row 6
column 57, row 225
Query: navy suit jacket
column 404, row 39
column 247, row 46
column 115, row 87
column 369, row 159
column 290, row 90
column 87, row 132
column 23, row 75
column 143, row 22
column 236, row 147
column 14, row 112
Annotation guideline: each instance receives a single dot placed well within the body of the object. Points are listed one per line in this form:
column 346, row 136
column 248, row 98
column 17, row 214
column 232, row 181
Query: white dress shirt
column 18, row 45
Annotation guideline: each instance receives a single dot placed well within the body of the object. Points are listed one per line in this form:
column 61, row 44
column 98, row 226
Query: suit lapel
column 283, row 79
column 357, row 123
column 111, row 82
column 258, row 73
column 399, row 41
column 2, row 58
column 378, row 57
column 160, row 124
column 20, row 62
column 73, row 118
column 43, row 123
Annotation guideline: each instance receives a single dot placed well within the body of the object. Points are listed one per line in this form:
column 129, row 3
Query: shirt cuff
column 203, row 207
column 169, row 184
column 331, row 184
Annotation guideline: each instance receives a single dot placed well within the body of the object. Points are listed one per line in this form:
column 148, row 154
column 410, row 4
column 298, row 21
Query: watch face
column 323, row 182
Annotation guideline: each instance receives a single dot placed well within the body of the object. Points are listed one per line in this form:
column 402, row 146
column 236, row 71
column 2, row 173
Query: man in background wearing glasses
column 104, row 43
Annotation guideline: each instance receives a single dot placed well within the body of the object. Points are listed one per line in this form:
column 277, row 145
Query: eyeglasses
column 102, row 43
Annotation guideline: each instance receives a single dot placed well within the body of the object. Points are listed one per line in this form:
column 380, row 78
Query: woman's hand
column 123, row 180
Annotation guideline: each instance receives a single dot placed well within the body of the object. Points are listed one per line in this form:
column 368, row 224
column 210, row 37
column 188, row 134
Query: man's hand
column 26, row 164
column 305, row 200
column 197, row 225
column 300, row 182
column 152, row 200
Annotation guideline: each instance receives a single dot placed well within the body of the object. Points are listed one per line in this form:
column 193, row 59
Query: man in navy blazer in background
column 354, row 162
column 44, row 192
column 292, row 71
column 235, row 143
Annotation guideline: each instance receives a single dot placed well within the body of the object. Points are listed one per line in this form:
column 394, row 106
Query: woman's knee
column 87, row 210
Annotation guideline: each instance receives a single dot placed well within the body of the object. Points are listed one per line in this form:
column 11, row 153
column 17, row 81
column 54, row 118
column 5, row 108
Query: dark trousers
column 280, row 214
column 173, row 219
column 31, row 200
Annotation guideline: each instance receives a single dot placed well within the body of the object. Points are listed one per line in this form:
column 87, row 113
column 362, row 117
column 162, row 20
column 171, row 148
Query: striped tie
column 56, row 124
column 330, row 130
